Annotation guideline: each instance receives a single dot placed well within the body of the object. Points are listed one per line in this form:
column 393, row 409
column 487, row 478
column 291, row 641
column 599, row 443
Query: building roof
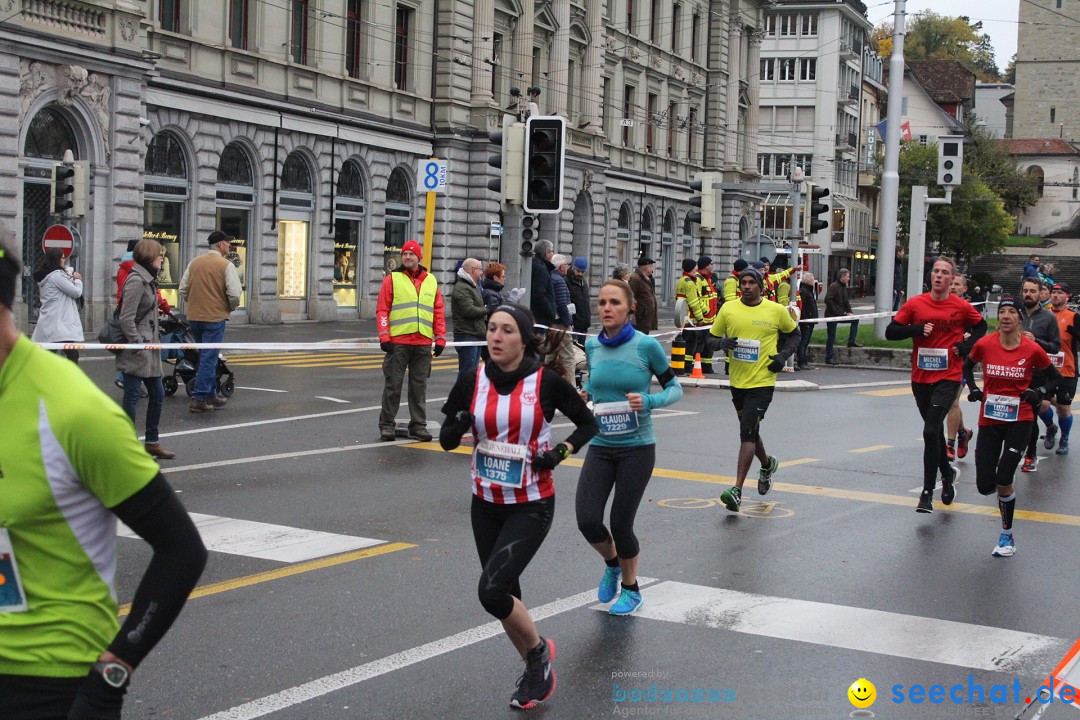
column 946, row 81
column 857, row 5
column 1042, row 146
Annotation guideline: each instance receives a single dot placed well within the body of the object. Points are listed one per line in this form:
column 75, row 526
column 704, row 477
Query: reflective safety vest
column 412, row 312
column 686, row 287
column 709, row 297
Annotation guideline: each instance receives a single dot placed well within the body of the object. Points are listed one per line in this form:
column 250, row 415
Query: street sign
column 59, row 237
column 431, row 176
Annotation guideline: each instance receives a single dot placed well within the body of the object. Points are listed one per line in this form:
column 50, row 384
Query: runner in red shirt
column 1012, row 364
column 1069, row 329
column 937, row 321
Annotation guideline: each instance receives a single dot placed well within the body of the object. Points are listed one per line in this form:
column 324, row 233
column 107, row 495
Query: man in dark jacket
column 579, row 294
column 643, row 284
column 1031, row 268
column 542, row 295
column 1041, row 327
column 837, row 304
column 899, row 283
column 808, row 296
column 469, row 313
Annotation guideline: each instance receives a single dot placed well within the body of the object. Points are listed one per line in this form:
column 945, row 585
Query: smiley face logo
column 862, row 693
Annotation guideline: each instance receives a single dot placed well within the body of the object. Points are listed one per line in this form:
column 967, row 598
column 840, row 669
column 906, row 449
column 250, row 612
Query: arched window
column 646, row 236
column 350, row 181
column 398, row 189
column 234, row 167
column 49, row 135
column 165, row 157
column 295, row 174
column 622, row 235
column 398, row 217
column 349, row 214
column 1036, row 172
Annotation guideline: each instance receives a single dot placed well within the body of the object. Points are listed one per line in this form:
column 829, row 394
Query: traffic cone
column 697, row 374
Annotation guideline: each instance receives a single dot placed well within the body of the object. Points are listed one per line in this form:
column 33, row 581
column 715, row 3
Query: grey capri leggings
column 627, row 470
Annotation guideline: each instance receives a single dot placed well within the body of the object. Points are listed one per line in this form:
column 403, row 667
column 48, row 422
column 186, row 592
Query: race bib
column 501, row 463
column 12, row 598
column 747, row 351
column 615, row 418
column 1058, row 360
column 1001, row 407
column 933, row 359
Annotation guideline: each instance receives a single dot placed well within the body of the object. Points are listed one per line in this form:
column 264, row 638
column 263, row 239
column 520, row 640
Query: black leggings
column 507, row 537
column 998, row 452
column 24, row 697
column 627, row 470
column 934, row 401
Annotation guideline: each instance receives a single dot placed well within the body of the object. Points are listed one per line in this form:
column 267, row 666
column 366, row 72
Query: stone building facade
column 1047, row 100
column 300, row 127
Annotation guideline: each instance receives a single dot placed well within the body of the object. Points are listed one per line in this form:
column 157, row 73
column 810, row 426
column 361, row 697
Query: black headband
column 521, row 317
column 1008, row 301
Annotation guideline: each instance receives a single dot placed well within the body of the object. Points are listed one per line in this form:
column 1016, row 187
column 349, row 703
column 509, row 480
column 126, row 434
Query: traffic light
column 80, row 182
column 544, row 155
column 511, row 159
column 62, row 190
column 704, row 198
column 950, row 160
column 528, row 234
column 814, row 207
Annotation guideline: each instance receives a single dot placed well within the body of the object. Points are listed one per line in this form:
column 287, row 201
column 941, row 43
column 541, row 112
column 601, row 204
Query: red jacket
column 386, row 299
column 121, row 276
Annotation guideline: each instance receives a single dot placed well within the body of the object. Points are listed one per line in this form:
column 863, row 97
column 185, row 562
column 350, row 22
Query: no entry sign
column 59, row 237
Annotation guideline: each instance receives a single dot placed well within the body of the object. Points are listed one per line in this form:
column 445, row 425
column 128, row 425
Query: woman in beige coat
column 139, row 323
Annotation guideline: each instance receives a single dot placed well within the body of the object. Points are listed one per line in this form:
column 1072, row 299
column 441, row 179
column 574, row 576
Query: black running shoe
column 1051, row 435
column 926, row 502
column 948, row 487
column 539, row 677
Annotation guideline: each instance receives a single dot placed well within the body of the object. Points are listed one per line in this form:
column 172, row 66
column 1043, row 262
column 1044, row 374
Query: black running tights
column 934, row 401
column 627, row 471
column 997, row 453
column 507, row 537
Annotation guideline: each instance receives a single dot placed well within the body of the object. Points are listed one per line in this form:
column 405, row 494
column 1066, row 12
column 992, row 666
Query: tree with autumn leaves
column 930, row 36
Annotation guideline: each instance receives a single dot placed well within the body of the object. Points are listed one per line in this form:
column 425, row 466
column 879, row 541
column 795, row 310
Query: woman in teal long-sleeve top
column 622, row 363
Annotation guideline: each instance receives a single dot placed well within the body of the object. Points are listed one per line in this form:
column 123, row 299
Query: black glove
column 1033, row 395
column 97, row 700
column 462, row 422
column 728, row 344
column 975, row 395
column 386, row 346
column 438, row 350
column 548, row 459
column 777, row 363
column 962, row 349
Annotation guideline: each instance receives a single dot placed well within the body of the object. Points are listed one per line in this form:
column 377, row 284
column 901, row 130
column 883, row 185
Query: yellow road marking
column 817, row 491
column 889, row 392
column 298, row 568
column 871, row 448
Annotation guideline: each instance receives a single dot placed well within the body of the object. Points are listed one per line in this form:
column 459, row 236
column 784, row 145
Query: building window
column 536, row 67
column 571, row 76
column 691, row 135
column 808, row 69
column 349, row 207
column 695, row 23
column 496, row 57
column 653, row 121
column 295, row 175
column 671, row 130
column 49, row 135
column 299, row 35
column 806, row 163
column 622, row 235
column 809, row 24
column 401, row 47
column 764, row 162
column 238, row 24
column 654, row 21
column 235, row 196
column 770, row 25
column 169, row 15
column 768, row 68
column 605, row 99
column 165, row 194
column 1053, row 114
column 1037, row 174
column 628, row 114
column 787, row 68
column 789, row 25
column 630, row 16
column 676, row 18
column 354, row 43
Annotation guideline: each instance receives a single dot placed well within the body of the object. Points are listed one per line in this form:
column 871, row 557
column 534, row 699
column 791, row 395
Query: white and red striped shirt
column 516, row 419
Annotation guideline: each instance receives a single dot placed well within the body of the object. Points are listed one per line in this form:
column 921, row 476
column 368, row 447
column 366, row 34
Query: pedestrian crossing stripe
column 319, row 359
column 889, row 392
column 266, row 541
column 965, row 645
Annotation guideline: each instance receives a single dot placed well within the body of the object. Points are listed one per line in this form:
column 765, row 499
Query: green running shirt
column 68, row 453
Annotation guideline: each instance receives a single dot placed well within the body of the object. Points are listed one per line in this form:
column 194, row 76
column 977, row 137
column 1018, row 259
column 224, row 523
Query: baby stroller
column 185, row 363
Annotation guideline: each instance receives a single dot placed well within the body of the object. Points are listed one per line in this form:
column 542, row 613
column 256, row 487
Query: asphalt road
column 771, row 613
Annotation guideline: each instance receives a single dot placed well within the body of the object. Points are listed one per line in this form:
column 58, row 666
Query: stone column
column 523, row 48
column 593, row 70
column 731, row 112
column 749, row 160
column 559, row 66
column 483, row 45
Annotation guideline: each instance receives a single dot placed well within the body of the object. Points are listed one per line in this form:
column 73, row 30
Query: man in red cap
column 409, row 315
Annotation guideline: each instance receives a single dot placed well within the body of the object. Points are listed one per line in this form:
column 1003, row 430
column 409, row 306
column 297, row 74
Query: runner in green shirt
column 70, row 465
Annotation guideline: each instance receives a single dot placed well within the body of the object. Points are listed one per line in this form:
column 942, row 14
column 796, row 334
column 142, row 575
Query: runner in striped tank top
column 508, row 404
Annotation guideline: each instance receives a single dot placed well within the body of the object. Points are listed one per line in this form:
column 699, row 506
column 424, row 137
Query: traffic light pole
column 920, row 202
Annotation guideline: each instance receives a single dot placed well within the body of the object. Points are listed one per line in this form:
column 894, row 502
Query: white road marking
column 293, row 418
column 244, row 387
column 330, row 683
column 331, row 399
column 846, row 386
column 281, row 456
column 269, row 542
column 926, row 639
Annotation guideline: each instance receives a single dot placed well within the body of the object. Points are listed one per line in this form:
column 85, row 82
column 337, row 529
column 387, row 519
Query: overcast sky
column 998, row 18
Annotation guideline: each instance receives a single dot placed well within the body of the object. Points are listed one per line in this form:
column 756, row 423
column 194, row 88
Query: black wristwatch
column 113, row 673
column 562, row 450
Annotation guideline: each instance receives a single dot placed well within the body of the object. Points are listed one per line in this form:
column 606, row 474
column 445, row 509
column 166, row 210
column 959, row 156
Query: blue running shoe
column 609, row 584
column 627, row 604
column 1006, row 547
